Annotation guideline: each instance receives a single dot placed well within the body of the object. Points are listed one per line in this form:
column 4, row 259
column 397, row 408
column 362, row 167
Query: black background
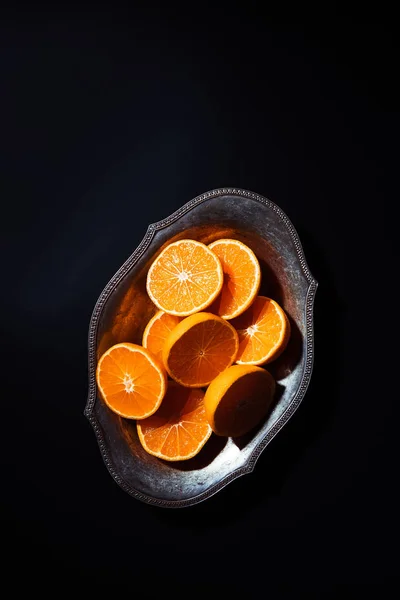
column 112, row 120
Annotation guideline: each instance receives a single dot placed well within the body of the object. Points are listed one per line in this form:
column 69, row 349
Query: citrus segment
column 157, row 330
column 264, row 331
column 238, row 399
column 131, row 381
column 179, row 429
column 185, row 278
column 199, row 348
column 242, row 277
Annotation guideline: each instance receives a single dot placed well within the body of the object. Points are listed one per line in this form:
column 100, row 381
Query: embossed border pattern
column 115, row 280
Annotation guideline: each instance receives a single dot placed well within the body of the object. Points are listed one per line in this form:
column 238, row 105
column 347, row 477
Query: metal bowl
column 123, row 309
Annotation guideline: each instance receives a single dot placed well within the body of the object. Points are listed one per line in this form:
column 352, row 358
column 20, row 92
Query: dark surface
column 112, row 121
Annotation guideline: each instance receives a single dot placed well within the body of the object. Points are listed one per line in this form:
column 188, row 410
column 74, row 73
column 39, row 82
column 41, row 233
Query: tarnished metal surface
column 123, row 310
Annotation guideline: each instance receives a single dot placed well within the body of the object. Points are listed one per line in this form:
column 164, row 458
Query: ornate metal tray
column 123, row 309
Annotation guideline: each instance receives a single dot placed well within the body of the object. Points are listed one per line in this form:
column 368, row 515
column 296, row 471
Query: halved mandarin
column 264, row 332
column 238, row 399
column 157, row 331
column 242, row 278
column 185, row 278
column 131, row 381
column 199, row 348
column 179, row 429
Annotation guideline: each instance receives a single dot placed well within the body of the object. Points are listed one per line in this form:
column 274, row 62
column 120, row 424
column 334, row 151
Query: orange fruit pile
column 181, row 384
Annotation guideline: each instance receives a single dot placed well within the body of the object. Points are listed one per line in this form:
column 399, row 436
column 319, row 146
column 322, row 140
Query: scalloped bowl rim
column 248, row 467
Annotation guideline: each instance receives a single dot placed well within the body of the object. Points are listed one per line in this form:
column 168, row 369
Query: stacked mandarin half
column 199, row 369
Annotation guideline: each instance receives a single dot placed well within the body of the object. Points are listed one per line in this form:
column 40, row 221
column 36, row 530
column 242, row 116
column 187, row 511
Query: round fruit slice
column 238, row 399
column 131, row 381
column 157, row 331
column 185, row 278
column 242, row 278
column 264, row 331
column 179, row 429
column 199, row 348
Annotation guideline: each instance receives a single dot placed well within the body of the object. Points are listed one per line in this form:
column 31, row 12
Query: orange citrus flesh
column 157, row 330
column 185, row 278
column 238, row 399
column 179, row 429
column 264, row 331
column 242, row 278
column 199, row 348
column 131, row 381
